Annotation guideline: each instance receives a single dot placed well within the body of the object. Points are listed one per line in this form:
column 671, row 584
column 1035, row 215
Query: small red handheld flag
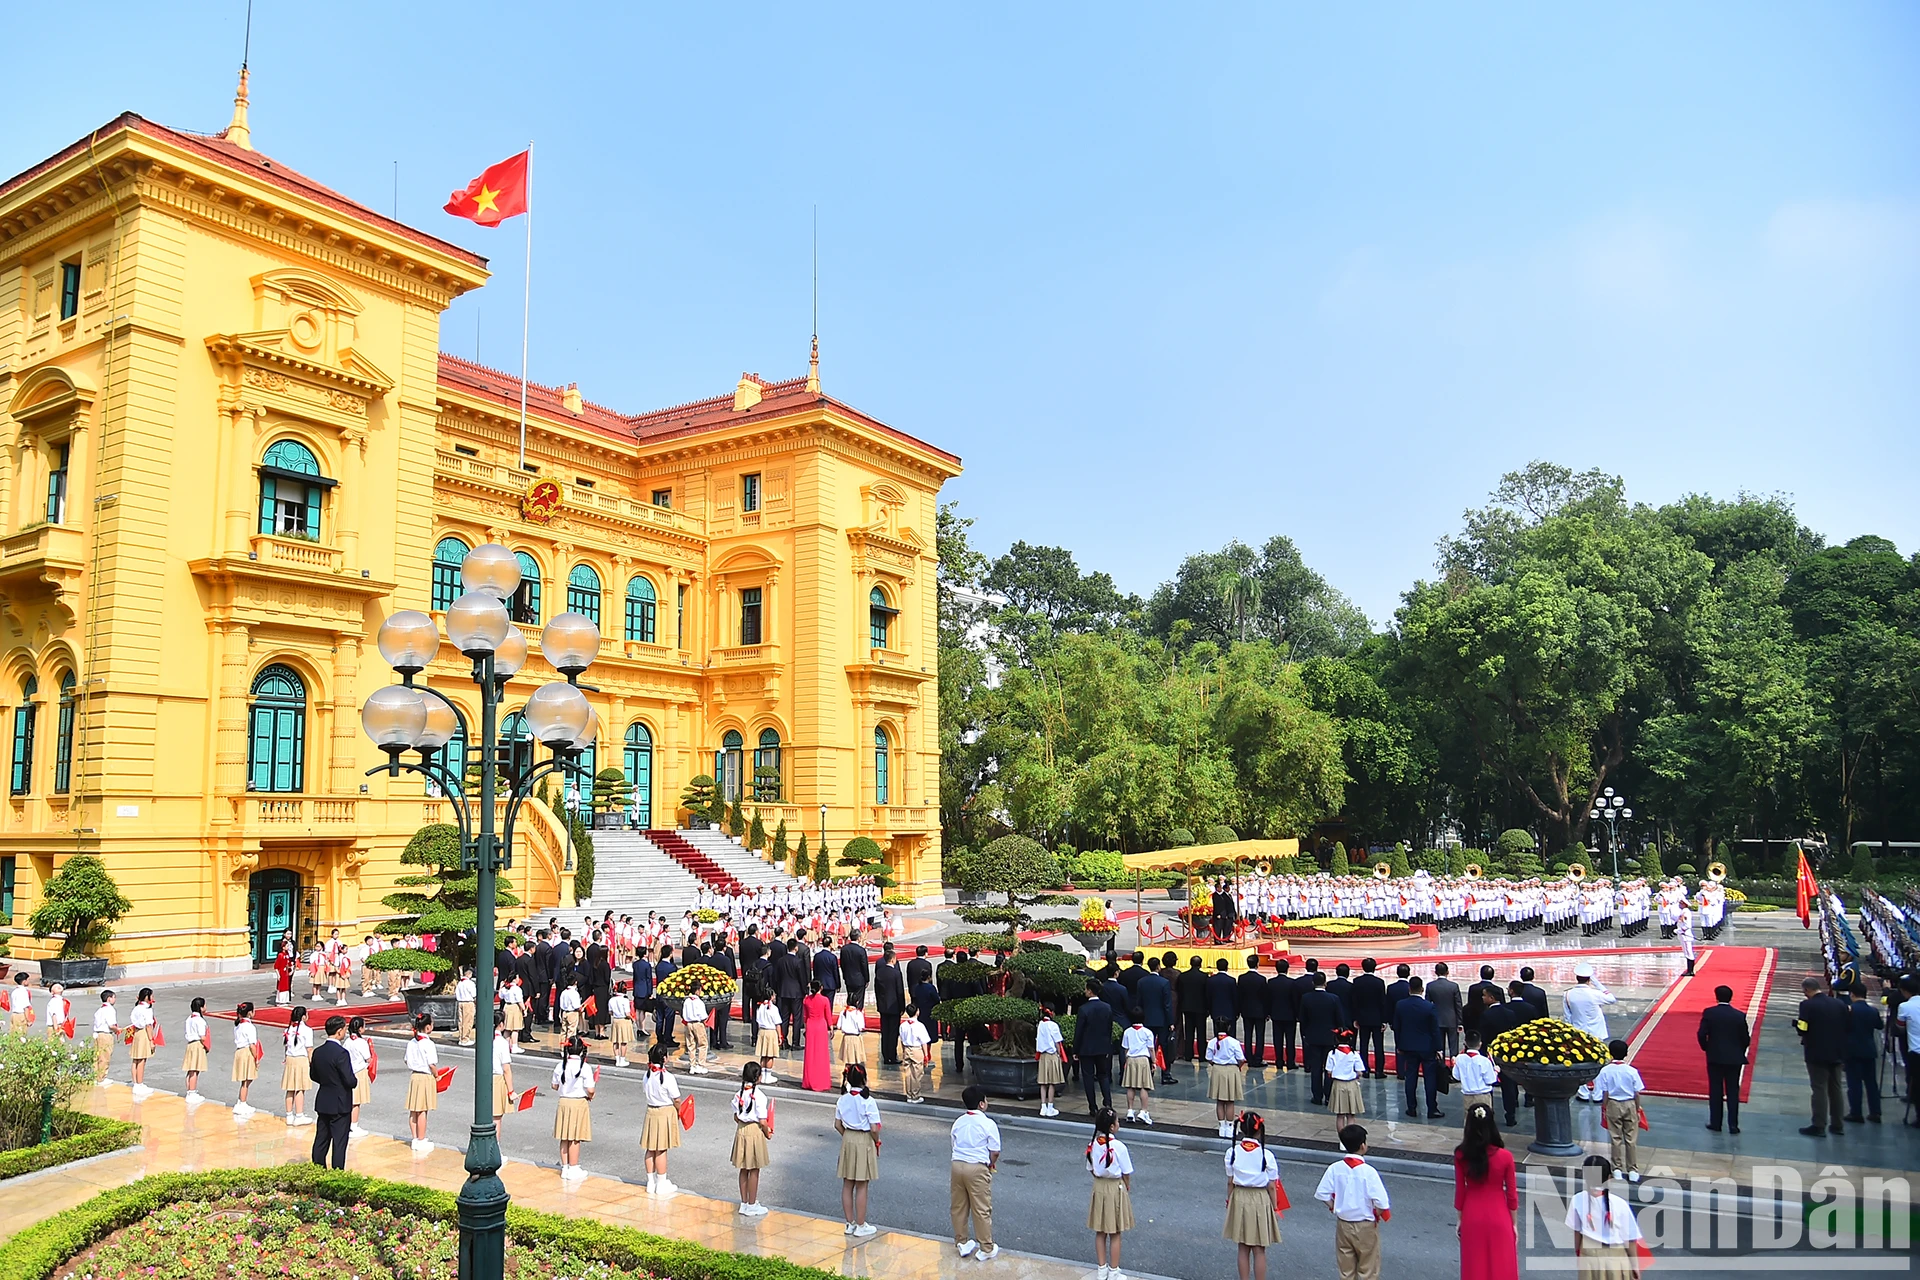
column 1280, row 1202
column 770, row 1117
column 442, row 1078
column 496, row 195
column 259, row 1051
column 589, row 1008
column 685, row 1108
column 526, row 1099
column 373, row 1062
column 159, row 1037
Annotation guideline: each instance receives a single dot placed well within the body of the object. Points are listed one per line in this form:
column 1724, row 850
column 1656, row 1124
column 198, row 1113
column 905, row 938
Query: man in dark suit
column 1397, row 990
column 1115, row 993
column 1533, row 994
column 1252, row 1003
column 1093, row 1045
column 1416, row 1042
column 1155, row 995
column 790, row 978
column 524, row 967
column 1368, row 1001
column 923, row 997
column 599, row 985
column 1477, row 1002
column 664, row 1010
column 1445, row 994
column 855, row 970
column 542, row 986
column 826, row 972
column 1223, row 999
column 1319, row 1030
column 1725, row 1037
column 752, row 951
column 642, row 983
column 1498, row 1015
column 332, row 1071
column 1823, row 1024
column 1131, row 975
column 889, row 1001
column 1191, row 989
column 919, row 970
column 1283, row 1006
column 722, row 959
column 1340, row 987
column 1863, row 1056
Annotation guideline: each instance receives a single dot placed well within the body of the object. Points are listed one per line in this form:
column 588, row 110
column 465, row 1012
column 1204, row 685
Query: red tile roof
column 503, row 389
column 252, row 163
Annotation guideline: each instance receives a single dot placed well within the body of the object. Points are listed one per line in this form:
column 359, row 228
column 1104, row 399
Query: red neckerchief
column 1354, row 1162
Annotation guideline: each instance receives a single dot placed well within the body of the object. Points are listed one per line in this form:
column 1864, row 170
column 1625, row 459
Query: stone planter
column 1095, row 943
column 1177, row 892
column 609, row 821
column 87, row 971
column 968, row 898
column 1552, row 1088
column 1004, row 1077
column 446, row 1017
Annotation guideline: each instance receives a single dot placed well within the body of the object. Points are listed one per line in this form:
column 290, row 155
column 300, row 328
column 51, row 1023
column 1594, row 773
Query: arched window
column 640, row 611
column 880, row 780
column 726, row 765
column 880, row 617
column 639, row 766
column 525, row 606
column 277, row 731
column 583, row 592
column 766, row 767
column 290, row 489
column 447, row 555
column 63, row 739
column 452, row 761
column 516, row 746
column 24, row 716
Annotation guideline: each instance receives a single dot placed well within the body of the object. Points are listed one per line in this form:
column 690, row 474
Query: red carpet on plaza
column 1665, row 1046
column 270, row 1015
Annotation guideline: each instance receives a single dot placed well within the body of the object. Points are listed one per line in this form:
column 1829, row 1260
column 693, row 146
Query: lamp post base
column 481, row 1208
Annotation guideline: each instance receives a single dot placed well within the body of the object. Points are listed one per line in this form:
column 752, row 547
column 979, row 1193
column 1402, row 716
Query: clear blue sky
column 1164, row 276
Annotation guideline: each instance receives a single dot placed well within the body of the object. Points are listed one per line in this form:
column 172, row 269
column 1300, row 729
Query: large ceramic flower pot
column 87, row 971
column 446, row 1014
column 1004, row 1077
column 1095, row 942
column 1552, row 1088
column 1177, row 892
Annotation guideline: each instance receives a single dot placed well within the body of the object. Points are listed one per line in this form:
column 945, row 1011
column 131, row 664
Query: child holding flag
column 193, row 1058
column 423, row 1094
column 1111, row 1210
column 1253, row 1199
column 1351, row 1189
column 246, row 1057
column 573, row 1082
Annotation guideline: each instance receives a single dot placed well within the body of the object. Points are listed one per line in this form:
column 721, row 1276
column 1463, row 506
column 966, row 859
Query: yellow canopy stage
column 1250, row 851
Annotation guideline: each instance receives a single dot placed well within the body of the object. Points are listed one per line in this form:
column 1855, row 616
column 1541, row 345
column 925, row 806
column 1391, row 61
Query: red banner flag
column 1805, row 891
column 526, row 1099
column 496, row 195
column 442, row 1079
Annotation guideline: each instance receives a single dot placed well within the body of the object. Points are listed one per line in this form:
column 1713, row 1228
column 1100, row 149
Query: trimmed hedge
column 37, row 1254
column 91, row 1136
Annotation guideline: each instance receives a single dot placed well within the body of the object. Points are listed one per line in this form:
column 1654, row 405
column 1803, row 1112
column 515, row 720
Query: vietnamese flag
column 496, row 195
column 1806, row 891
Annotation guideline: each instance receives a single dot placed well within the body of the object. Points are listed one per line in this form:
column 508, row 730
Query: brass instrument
column 1474, row 871
column 1577, row 872
column 1716, row 871
column 1382, row 871
column 1263, row 868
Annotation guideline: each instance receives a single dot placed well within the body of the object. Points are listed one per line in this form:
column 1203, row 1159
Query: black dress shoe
column 1836, row 1128
column 1413, row 1111
column 1511, row 1122
column 1814, row 1131
column 1714, row 1128
column 1436, row 1115
column 1873, row 1119
column 1855, row 1120
column 1733, row 1128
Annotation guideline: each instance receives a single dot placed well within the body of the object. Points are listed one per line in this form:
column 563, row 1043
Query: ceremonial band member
column 1111, row 1210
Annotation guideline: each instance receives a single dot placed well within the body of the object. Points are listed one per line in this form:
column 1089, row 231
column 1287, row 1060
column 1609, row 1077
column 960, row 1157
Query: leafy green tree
column 1650, row 868
column 583, row 858
column 81, row 901
column 1863, row 871
column 611, row 794
column 1179, row 838
column 736, row 821
column 1398, row 861
column 441, row 900
column 823, row 864
column 866, row 858
column 802, row 862
column 1237, row 594
column 697, row 798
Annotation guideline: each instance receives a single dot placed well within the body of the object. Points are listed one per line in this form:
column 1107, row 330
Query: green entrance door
column 273, row 899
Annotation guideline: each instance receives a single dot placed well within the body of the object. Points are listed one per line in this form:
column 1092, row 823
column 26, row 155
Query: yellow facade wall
column 221, row 308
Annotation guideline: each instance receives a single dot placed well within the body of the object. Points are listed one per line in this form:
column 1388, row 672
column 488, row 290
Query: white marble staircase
column 744, row 865
column 632, row 875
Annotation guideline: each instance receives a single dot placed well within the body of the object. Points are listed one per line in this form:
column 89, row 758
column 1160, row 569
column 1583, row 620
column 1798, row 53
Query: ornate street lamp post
column 410, row 717
column 1612, row 810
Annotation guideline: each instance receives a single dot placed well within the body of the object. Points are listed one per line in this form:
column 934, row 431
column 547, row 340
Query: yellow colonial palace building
column 230, row 447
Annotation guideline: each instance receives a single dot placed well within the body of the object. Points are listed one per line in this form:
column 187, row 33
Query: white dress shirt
column 1251, row 1168
column 1354, row 1189
column 1603, row 1218
column 421, row 1055
column 572, row 1078
column 105, row 1020
column 298, row 1040
column 1344, row 1064
column 1475, row 1072
column 1046, row 1037
column 856, row 1112
column 244, row 1035
column 975, row 1139
column 1620, row 1082
column 751, row 1106
column 1137, row 1042
column 661, row 1088
column 1225, row 1051
column 1583, row 1006
column 1109, row 1159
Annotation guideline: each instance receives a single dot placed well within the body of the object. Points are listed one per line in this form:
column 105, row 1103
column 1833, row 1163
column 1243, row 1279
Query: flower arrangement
column 695, row 979
column 706, row 915
column 897, row 900
column 1334, row 928
column 1547, row 1042
column 1093, row 917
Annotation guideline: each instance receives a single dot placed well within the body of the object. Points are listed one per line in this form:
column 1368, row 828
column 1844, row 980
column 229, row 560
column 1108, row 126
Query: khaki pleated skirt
column 1250, row 1217
column 1346, row 1099
column 294, row 1076
column 859, row 1156
column 362, row 1088
column 573, row 1122
column 1052, row 1070
column 500, row 1096
column 1112, row 1208
column 853, row 1048
column 766, row 1042
column 511, row 1017
column 622, row 1034
column 244, row 1067
column 661, row 1131
column 1605, row 1261
column 142, row 1046
column 421, row 1095
column 750, row 1147
column 1138, row 1074
column 1224, row 1083
column 195, row 1057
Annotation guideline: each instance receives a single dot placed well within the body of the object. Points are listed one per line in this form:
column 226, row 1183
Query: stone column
column 230, row 713
column 350, row 497
column 343, row 762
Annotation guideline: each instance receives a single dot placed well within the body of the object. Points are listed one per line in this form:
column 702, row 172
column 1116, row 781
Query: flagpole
column 526, row 312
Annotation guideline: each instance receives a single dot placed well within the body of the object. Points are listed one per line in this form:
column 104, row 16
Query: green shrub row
column 37, row 1254
column 87, row 1136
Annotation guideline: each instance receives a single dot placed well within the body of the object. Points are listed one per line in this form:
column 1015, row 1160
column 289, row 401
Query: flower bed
column 1334, row 929
column 296, row 1222
column 87, row 1136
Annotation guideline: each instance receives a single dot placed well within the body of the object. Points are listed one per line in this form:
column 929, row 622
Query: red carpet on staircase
column 1665, row 1046
column 703, row 868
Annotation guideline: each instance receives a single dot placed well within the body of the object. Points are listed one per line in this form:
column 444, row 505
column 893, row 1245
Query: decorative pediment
column 300, row 358
column 897, row 554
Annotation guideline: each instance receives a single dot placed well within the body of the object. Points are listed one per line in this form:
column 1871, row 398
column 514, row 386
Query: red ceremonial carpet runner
column 1666, row 1046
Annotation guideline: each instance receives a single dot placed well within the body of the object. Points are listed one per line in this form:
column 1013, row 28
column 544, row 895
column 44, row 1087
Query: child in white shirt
column 853, row 1036
column 1046, row 1052
column 1476, row 1073
column 1136, row 1077
column 1620, row 1086
column 570, row 1004
column 423, row 1092
column 1344, row 1068
column 464, row 993
column 620, row 1013
column 1226, row 1071
column 1605, row 1230
column 766, row 1037
column 1111, row 1211
column 106, row 1023
column 193, row 1059
column 1352, row 1190
column 857, row 1118
column 693, row 1012
column 914, row 1042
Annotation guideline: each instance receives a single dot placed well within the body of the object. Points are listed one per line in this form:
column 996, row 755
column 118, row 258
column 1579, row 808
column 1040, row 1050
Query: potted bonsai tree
column 1005, row 1065
column 83, row 903
column 866, row 859
column 611, row 795
column 699, row 799
column 439, row 905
